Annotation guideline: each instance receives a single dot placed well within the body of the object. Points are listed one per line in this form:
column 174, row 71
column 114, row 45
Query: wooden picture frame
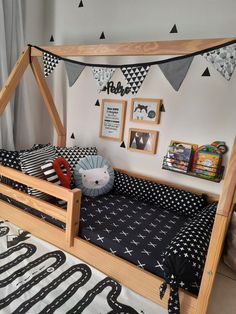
column 141, row 140
column 145, row 110
column 112, row 119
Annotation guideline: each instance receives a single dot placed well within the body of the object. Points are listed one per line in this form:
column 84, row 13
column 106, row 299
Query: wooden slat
column 229, row 185
column 171, row 47
column 13, row 79
column 48, row 100
column 213, row 257
column 224, row 211
column 42, row 185
column 34, row 202
column 211, row 196
column 73, row 216
column 143, row 282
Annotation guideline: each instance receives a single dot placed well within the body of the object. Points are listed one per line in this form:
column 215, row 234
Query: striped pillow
column 31, row 164
column 51, row 176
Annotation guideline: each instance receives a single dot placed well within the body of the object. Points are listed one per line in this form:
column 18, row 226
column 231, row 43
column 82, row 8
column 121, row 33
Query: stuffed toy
column 94, row 176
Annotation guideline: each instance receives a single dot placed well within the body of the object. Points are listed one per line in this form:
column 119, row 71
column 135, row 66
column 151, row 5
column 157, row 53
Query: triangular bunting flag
column 102, row 76
column 135, row 76
column 206, row 72
column 72, row 136
column 175, row 71
column 223, row 59
column 73, row 71
column 122, row 145
column 49, row 63
column 81, row 4
column 162, row 108
column 97, row 103
column 102, row 36
column 174, row 29
column 51, row 38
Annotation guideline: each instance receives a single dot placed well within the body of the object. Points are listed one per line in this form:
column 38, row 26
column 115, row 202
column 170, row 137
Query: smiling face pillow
column 94, row 176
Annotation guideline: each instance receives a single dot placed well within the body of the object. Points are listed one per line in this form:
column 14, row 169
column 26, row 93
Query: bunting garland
column 222, row 57
column 49, row 62
column 102, row 76
column 135, row 76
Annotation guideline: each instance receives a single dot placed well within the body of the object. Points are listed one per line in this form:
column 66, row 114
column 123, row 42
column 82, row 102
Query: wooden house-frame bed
column 131, row 276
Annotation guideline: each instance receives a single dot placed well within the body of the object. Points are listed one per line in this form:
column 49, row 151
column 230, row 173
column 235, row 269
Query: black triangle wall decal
column 97, row 103
column 51, row 38
column 206, row 72
column 81, row 4
column 162, row 108
column 174, row 29
column 72, row 136
column 122, row 145
column 102, row 36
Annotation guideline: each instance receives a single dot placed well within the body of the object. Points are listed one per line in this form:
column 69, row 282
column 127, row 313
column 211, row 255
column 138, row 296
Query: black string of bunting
column 222, row 57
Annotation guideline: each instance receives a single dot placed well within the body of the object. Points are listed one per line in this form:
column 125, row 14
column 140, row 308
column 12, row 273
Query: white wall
column 202, row 111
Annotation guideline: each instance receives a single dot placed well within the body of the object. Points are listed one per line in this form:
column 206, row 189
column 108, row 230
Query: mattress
column 129, row 228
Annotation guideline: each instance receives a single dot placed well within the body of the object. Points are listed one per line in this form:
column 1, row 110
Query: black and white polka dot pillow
column 11, row 159
column 166, row 197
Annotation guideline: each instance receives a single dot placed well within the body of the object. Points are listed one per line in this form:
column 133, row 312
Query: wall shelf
column 193, row 174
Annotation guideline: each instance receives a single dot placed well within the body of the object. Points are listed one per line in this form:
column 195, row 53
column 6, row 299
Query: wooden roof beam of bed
column 170, row 47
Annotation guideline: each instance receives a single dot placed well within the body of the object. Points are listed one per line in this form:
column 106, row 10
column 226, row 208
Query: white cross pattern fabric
column 49, row 63
column 135, row 76
column 102, row 76
column 223, row 59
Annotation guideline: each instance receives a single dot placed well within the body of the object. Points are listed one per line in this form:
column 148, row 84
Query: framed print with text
column 112, row 119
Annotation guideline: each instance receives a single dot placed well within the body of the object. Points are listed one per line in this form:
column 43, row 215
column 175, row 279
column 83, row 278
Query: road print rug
column 37, row 277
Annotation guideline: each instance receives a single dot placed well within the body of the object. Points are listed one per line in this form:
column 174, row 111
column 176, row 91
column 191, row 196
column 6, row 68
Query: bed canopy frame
column 131, row 276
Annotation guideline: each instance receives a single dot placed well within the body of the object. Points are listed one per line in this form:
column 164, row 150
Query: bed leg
column 73, row 216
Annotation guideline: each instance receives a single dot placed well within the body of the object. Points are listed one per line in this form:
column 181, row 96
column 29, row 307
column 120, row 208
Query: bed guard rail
column 70, row 216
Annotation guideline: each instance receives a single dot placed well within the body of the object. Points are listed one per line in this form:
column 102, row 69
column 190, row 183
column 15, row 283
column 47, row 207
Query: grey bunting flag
column 73, row 71
column 175, row 71
column 223, row 59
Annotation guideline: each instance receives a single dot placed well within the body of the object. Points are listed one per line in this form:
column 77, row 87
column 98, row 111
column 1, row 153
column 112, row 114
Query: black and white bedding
column 36, row 277
column 157, row 235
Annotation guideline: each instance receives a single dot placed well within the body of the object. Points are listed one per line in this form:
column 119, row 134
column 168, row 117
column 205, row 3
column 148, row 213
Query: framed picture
column 112, row 119
column 145, row 110
column 144, row 141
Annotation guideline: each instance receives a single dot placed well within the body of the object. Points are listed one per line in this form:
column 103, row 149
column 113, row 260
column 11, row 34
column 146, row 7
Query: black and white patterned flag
column 223, row 59
column 49, row 63
column 73, row 71
column 135, row 76
column 102, row 76
column 175, row 71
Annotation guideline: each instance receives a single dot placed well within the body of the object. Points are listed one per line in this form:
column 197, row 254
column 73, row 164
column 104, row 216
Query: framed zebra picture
column 145, row 110
column 144, row 141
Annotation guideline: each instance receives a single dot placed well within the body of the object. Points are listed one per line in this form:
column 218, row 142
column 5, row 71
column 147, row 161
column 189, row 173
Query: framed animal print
column 112, row 119
column 145, row 110
column 144, row 141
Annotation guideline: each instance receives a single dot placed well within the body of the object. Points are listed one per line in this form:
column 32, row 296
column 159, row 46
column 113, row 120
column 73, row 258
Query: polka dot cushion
column 166, row 197
column 11, row 159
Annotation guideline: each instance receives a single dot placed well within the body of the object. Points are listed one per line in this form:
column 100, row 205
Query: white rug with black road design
column 36, row 277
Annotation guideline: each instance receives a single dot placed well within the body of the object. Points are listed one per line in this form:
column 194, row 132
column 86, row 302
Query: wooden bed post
column 13, row 79
column 222, row 219
column 73, row 216
column 48, row 100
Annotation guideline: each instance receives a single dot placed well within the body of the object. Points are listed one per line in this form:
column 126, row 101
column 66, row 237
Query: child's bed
column 145, row 226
